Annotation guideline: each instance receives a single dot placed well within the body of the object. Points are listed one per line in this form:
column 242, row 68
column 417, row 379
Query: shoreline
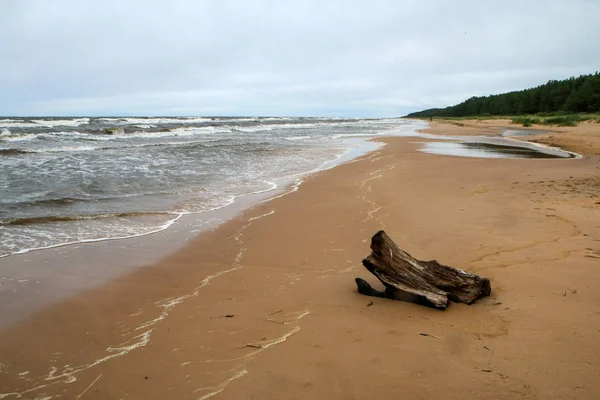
column 33, row 291
column 362, row 147
column 209, row 164
column 299, row 254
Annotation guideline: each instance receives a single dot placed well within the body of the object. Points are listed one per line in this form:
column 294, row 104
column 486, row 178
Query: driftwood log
column 423, row 282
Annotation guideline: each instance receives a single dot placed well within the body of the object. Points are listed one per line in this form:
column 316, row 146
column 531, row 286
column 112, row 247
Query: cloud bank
column 310, row 58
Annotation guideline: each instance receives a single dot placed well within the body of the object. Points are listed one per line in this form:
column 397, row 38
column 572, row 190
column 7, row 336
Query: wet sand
column 265, row 305
column 583, row 138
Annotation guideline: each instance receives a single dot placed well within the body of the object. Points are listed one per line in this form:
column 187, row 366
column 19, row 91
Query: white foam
column 68, row 373
column 101, row 239
column 301, row 314
column 271, row 127
column 262, row 216
column 272, row 187
column 157, row 120
column 68, row 149
column 218, row 389
column 258, row 128
column 178, row 214
column 177, row 132
column 297, row 138
column 139, row 312
column 263, row 346
column 355, row 135
column 168, row 304
column 8, row 136
column 43, row 123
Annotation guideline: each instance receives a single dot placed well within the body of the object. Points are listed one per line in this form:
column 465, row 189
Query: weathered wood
column 427, row 282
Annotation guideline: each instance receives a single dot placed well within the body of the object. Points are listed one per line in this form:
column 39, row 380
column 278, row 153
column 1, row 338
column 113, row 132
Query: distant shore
column 265, row 305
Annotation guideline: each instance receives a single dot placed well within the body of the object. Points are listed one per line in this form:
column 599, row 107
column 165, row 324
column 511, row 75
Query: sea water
column 72, row 180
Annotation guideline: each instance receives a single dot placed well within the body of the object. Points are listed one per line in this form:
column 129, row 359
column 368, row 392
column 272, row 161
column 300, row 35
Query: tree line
column 573, row 95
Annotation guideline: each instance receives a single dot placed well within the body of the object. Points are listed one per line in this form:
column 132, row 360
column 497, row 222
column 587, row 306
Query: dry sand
column 265, row 306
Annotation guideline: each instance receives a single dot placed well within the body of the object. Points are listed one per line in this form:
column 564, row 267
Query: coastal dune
column 265, row 306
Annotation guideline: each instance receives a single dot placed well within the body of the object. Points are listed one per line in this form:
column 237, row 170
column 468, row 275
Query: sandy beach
column 265, row 306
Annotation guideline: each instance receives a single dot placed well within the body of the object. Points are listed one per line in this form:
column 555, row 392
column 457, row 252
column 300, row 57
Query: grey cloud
column 359, row 58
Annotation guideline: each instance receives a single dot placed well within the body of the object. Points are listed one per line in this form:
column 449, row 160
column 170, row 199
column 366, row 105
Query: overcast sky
column 304, row 57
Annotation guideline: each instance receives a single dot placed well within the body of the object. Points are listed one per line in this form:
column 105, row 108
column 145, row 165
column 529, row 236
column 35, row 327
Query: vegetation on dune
column 562, row 103
column 557, row 119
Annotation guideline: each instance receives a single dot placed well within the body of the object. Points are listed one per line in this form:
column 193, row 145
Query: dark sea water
column 70, row 180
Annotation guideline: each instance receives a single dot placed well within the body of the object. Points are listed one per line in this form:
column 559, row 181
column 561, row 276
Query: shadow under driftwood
column 427, row 283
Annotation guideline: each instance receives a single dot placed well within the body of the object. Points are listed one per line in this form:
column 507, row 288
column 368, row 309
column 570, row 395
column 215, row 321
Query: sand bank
column 583, row 138
column 265, row 305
